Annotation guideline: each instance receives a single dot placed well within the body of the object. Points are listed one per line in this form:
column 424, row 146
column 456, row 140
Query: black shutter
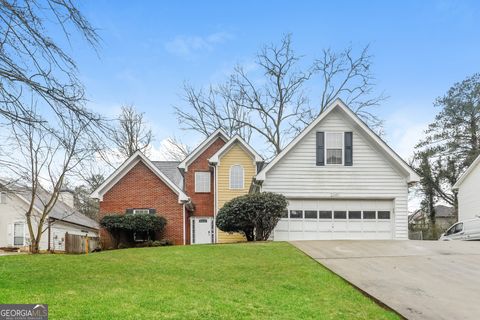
column 320, row 148
column 129, row 211
column 152, row 211
column 348, row 148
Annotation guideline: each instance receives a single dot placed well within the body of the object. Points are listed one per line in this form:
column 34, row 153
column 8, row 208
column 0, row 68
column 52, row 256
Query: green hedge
column 133, row 222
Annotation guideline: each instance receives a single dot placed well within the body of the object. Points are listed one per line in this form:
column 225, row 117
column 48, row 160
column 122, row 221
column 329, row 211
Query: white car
column 463, row 230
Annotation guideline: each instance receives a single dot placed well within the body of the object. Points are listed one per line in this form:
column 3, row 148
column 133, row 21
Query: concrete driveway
column 418, row 279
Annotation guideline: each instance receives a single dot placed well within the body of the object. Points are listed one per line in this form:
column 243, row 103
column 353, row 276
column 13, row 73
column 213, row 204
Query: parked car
column 463, row 230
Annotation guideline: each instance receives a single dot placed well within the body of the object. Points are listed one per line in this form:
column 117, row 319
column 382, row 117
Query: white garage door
column 336, row 219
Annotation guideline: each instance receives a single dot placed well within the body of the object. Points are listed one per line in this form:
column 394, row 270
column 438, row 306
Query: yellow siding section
column 236, row 155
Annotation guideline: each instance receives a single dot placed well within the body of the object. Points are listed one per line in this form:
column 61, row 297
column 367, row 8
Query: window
column 202, row 181
column 369, row 215
column 340, row 214
column 284, row 214
column 141, row 211
column 310, row 214
column 236, row 177
column 296, row 214
column 334, row 147
column 451, row 230
column 383, row 214
column 3, row 197
column 354, row 214
column 141, row 236
column 458, row 228
column 325, row 214
column 18, row 234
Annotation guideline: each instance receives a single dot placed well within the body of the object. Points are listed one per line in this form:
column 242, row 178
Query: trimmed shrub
column 121, row 225
column 122, row 245
column 156, row 243
column 166, row 242
column 255, row 215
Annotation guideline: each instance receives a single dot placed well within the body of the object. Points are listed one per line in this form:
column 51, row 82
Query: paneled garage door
column 336, row 219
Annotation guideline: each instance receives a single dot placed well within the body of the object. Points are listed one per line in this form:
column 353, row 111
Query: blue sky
column 150, row 48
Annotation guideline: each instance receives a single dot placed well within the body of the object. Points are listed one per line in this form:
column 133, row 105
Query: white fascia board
column 338, row 103
column 126, row 167
column 198, row 150
column 464, row 175
column 216, row 157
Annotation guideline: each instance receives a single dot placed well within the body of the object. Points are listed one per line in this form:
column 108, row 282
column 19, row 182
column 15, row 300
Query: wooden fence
column 77, row 244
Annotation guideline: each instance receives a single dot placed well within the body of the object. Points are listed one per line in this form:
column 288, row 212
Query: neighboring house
column 444, row 218
column 61, row 219
column 467, row 188
column 342, row 182
column 235, row 165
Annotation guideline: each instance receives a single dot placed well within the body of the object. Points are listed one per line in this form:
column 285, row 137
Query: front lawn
column 260, row 281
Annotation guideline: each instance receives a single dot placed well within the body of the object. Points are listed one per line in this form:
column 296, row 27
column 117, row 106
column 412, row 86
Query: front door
column 201, row 230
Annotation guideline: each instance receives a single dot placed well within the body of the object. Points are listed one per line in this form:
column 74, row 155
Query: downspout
column 184, row 222
column 49, row 234
column 215, row 190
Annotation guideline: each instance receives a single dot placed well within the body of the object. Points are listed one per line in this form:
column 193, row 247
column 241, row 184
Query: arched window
column 236, row 177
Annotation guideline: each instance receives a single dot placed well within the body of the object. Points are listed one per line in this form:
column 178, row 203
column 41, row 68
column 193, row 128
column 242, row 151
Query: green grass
column 239, row 281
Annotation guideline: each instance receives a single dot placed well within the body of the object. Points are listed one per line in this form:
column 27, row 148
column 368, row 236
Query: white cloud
column 188, row 46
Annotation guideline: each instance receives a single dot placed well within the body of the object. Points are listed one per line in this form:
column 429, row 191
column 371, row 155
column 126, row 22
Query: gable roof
column 129, row 164
column 441, row 211
column 219, row 133
column 412, row 176
column 216, row 157
column 469, row 170
column 60, row 211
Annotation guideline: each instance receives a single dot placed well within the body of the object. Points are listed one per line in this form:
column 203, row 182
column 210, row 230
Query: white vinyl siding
column 236, row 177
column 334, row 147
column 202, row 181
column 297, row 176
column 468, row 199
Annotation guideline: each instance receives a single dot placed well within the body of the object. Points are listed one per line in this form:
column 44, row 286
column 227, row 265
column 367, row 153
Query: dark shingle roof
column 170, row 169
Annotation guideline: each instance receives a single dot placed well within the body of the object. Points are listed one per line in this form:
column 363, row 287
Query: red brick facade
column 141, row 188
column 204, row 202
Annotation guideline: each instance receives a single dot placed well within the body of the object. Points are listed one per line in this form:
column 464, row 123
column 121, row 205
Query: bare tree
column 214, row 108
column 176, row 150
column 278, row 102
column 32, row 62
column 42, row 161
column 347, row 76
column 275, row 106
column 132, row 133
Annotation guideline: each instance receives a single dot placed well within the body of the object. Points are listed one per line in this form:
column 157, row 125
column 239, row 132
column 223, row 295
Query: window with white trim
column 202, row 181
column 19, row 234
column 334, row 147
column 3, row 197
column 141, row 211
column 236, row 177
